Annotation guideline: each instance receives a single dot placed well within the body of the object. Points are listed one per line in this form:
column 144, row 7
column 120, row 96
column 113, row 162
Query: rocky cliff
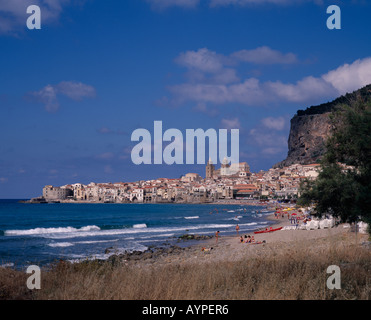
column 310, row 129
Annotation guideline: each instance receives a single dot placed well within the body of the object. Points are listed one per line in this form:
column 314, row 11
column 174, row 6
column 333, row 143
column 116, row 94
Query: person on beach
column 292, row 219
column 217, row 236
column 248, row 239
column 237, row 228
column 241, row 239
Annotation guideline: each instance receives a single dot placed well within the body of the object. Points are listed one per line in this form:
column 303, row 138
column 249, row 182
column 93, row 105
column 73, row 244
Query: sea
column 40, row 234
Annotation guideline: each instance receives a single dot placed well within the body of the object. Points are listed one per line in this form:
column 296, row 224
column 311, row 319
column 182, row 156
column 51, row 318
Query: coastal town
column 228, row 183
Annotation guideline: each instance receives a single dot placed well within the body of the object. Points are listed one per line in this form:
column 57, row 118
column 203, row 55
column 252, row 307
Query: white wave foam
column 140, row 229
column 248, row 224
column 236, row 218
column 43, row 231
column 70, row 244
column 89, row 228
column 7, row 265
column 233, row 218
column 193, row 217
column 60, row 244
column 131, row 231
column 139, row 226
column 96, row 241
column 76, row 258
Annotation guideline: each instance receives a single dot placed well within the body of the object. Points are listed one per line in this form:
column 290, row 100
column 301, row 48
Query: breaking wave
column 42, row 231
column 140, row 225
column 136, row 230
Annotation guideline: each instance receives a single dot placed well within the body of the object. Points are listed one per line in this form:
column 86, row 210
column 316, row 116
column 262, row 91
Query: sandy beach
column 229, row 248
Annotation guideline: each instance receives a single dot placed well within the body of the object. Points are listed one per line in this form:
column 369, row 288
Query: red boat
column 268, row 230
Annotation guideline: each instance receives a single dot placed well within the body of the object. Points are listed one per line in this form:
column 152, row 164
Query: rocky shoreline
column 155, row 253
column 151, row 253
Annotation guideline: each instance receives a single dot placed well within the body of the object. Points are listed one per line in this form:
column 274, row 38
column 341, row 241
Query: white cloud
column 350, row 77
column 47, row 96
column 265, row 55
column 13, row 13
column 344, row 79
column 202, row 59
column 225, row 76
column 248, row 92
column 73, row 90
column 301, row 91
column 207, row 66
column 212, row 77
column 252, row 91
column 164, row 4
column 231, row 123
column 209, row 61
column 274, row 123
column 187, row 4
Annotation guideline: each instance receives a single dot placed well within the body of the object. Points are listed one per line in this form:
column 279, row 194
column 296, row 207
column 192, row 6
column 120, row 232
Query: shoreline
column 249, row 202
column 199, row 242
column 228, row 247
column 202, row 243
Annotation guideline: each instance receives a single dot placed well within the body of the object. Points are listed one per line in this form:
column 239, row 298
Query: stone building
column 191, row 177
column 210, row 169
column 51, row 193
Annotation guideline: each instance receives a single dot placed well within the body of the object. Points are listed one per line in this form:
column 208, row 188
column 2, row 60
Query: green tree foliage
column 343, row 187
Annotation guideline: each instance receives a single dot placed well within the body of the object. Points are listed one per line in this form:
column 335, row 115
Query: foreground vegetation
column 295, row 272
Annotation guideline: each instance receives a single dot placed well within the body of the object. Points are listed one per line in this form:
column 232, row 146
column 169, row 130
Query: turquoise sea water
column 41, row 233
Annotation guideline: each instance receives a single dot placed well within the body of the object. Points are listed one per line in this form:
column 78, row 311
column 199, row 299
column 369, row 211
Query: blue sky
column 72, row 93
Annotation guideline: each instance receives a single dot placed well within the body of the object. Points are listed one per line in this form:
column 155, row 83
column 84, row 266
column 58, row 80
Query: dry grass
column 13, row 285
column 293, row 273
